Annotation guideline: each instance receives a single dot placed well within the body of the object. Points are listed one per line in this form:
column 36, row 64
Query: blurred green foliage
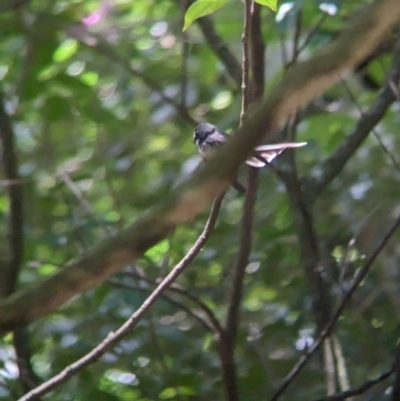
column 86, row 85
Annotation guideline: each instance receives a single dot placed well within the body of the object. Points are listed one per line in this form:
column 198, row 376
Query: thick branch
column 9, row 270
column 301, row 83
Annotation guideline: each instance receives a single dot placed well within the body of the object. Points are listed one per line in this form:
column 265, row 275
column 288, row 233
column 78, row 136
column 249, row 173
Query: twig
column 114, row 337
column 385, row 150
column 361, row 274
column 215, row 324
column 172, row 301
column 360, row 390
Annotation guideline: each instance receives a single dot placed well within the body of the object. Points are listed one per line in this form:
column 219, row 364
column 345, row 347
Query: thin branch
column 301, row 83
column 176, row 288
column 227, row 344
column 361, row 274
column 384, row 148
column 114, row 337
column 360, row 390
column 330, row 168
column 172, row 301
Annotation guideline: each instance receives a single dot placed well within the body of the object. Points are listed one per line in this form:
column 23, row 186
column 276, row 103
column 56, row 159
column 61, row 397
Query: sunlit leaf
column 66, row 50
column 201, row 8
column 158, row 251
column 272, row 4
column 90, row 78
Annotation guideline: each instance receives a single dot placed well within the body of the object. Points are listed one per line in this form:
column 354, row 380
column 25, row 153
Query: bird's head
column 201, row 133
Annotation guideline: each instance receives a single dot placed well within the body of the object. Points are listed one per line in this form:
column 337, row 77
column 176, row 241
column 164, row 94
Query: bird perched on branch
column 208, row 138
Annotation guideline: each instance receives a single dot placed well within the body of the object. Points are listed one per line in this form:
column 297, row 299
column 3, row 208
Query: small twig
column 214, row 325
column 362, row 273
column 172, row 301
column 360, row 390
column 185, row 293
column 311, row 34
column 373, row 130
column 114, row 337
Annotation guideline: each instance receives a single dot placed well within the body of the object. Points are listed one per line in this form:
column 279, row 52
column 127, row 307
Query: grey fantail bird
column 208, row 138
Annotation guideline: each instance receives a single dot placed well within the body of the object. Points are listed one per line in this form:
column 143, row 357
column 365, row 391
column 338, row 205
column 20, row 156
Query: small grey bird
column 207, row 137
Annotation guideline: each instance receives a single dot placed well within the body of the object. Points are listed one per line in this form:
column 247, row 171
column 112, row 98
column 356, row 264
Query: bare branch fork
column 114, row 337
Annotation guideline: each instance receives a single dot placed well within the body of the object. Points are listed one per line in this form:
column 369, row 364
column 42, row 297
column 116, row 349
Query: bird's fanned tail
column 264, row 154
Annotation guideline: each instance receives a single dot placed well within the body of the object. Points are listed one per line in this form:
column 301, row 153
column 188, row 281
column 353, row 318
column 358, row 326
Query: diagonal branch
column 360, row 276
column 331, row 167
column 203, row 322
column 301, row 83
column 175, row 288
column 115, row 337
column 360, row 390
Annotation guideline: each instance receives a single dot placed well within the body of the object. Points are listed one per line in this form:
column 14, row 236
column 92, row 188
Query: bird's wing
column 215, row 139
column 264, row 154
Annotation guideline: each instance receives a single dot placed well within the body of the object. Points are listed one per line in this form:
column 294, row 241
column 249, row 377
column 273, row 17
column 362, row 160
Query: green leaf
column 158, row 251
column 201, row 8
column 65, row 50
column 272, row 4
